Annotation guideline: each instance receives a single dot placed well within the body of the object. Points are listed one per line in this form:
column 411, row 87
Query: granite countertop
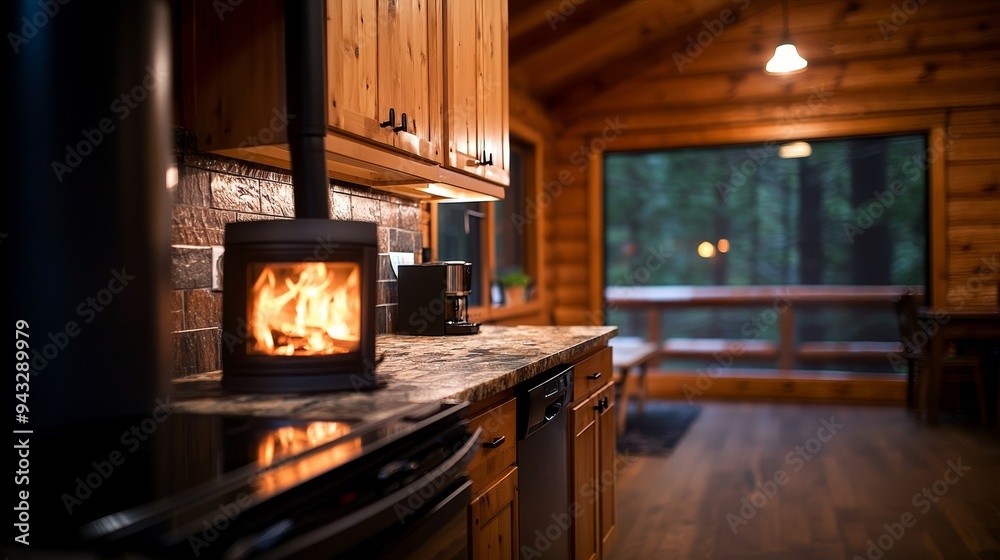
column 416, row 369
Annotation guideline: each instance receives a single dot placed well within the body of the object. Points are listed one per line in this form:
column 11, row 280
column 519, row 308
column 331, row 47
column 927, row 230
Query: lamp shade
column 785, row 60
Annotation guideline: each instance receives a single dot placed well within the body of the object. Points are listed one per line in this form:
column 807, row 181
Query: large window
column 851, row 212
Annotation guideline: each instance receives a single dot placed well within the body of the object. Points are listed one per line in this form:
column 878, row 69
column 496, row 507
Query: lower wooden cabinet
column 493, row 472
column 493, row 520
column 592, row 453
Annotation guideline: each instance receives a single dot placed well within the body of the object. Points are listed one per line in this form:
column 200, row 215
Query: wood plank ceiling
column 565, row 51
column 582, row 57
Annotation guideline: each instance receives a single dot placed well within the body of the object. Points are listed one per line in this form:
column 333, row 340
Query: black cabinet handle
column 402, row 124
column 602, row 405
column 392, row 120
column 485, row 161
column 497, row 442
column 594, row 376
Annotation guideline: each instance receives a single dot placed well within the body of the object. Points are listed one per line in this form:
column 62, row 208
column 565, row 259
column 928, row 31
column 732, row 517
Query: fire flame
column 289, row 441
column 304, row 309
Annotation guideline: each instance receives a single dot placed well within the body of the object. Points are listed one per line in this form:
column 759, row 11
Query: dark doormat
column 658, row 430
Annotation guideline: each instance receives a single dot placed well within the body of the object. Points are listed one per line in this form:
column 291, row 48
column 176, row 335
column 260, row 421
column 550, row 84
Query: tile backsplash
column 213, row 191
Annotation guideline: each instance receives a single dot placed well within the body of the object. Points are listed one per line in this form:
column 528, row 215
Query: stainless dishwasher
column 543, row 464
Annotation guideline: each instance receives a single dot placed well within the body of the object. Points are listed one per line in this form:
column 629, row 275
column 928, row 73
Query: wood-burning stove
column 298, row 305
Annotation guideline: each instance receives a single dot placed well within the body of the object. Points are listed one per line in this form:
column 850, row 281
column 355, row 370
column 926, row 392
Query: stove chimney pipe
column 305, row 86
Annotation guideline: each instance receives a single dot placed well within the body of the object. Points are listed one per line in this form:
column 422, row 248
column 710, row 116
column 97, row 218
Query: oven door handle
column 375, row 518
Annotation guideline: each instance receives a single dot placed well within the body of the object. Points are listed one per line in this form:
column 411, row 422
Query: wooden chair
column 954, row 368
column 630, row 353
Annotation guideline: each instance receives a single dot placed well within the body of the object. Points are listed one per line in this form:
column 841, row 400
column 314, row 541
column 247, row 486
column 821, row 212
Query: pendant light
column 786, row 59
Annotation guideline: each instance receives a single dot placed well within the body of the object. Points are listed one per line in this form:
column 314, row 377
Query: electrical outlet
column 396, row 259
column 217, row 253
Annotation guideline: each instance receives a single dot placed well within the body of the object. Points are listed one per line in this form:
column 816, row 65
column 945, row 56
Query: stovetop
column 162, row 477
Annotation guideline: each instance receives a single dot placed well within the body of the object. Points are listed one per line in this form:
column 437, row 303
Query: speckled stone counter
column 416, row 369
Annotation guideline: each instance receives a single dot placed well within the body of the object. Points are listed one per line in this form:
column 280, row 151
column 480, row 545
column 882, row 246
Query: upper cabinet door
column 410, row 72
column 462, row 102
column 493, row 92
column 355, row 101
column 476, row 98
column 384, row 61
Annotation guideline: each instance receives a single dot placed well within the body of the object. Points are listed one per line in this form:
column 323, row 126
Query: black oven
column 413, row 506
column 244, row 487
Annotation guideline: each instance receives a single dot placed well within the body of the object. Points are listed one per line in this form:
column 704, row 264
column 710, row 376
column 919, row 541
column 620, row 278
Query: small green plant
column 515, row 278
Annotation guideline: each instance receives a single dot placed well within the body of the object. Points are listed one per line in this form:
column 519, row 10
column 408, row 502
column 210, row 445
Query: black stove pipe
column 305, row 86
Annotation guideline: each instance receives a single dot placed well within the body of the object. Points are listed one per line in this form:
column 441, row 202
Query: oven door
column 441, row 534
column 423, row 519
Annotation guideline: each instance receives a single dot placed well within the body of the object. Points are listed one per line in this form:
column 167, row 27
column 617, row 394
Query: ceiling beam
column 621, row 33
column 537, row 25
column 676, row 46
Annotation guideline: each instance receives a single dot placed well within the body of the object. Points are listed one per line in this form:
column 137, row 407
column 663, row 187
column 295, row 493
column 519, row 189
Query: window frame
column 934, row 125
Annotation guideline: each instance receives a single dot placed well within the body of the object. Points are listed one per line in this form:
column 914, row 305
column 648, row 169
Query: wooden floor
column 837, row 504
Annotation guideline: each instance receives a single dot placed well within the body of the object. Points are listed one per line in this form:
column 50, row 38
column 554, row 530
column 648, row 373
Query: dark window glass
column 854, row 212
column 460, row 238
column 510, row 221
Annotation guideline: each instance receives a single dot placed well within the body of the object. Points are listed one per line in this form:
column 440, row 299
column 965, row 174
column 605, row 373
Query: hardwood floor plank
column 791, row 488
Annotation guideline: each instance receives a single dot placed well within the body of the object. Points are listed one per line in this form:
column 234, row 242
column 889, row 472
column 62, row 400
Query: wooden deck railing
column 783, row 300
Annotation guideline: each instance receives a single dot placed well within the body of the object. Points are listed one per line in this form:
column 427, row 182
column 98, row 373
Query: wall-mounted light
column 786, row 59
column 706, row 250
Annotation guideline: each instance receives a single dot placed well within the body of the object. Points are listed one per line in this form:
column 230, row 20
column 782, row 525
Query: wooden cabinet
column 381, row 55
column 592, row 453
column 493, row 511
column 384, row 56
column 476, row 114
column 493, row 520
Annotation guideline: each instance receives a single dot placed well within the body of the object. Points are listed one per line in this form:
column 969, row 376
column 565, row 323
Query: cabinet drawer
column 498, row 446
column 590, row 374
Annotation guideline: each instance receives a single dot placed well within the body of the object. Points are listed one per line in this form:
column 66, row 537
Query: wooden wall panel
column 799, row 109
column 977, row 180
column 974, row 208
column 975, row 149
column 567, row 213
column 571, row 226
column 976, row 121
column 973, row 212
column 854, row 76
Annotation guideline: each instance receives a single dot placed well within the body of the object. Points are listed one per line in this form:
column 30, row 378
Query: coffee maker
column 434, row 298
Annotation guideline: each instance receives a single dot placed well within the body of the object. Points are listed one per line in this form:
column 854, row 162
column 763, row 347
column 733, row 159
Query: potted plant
column 516, row 284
